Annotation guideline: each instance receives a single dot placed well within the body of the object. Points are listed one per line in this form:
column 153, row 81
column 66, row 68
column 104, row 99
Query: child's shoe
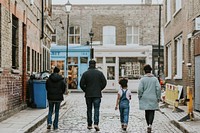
column 49, row 126
column 124, row 127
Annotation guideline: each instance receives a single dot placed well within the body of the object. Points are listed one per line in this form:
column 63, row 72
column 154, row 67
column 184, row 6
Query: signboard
column 197, row 24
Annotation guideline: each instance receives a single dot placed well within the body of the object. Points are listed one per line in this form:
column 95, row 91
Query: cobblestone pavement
column 73, row 117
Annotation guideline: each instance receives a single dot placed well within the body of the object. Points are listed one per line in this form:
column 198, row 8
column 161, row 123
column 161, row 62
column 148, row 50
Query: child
column 123, row 97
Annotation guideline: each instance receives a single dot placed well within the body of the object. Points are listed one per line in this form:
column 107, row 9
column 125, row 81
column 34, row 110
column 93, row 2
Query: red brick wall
column 10, row 93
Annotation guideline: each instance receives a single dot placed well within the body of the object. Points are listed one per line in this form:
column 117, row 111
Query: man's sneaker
column 89, row 127
column 96, row 128
column 149, row 129
column 49, row 126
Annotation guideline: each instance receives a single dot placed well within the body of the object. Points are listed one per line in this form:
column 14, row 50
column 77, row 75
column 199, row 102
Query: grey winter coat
column 149, row 92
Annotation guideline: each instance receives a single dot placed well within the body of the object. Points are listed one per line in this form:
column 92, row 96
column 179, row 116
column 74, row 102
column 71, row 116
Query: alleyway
column 73, row 117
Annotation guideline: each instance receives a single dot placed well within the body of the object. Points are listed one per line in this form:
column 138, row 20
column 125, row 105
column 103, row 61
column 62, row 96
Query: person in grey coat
column 149, row 94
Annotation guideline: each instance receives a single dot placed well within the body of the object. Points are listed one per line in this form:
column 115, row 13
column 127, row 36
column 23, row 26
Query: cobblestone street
column 73, row 117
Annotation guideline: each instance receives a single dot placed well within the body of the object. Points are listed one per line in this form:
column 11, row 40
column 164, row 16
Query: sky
column 102, row 1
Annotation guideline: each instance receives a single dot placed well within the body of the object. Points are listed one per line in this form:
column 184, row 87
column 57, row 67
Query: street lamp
column 67, row 10
column 91, row 34
column 159, row 36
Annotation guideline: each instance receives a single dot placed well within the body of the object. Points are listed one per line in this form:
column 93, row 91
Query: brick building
column 25, row 37
column 123, row 36
column 181, row 30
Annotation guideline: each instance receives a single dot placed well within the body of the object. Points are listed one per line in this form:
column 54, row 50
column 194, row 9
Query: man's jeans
column 57, row 108
column 93, row 102
column 124, row 113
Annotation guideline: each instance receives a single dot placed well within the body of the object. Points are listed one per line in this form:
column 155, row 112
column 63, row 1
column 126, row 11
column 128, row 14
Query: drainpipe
column 42, row 32
column 24, row 77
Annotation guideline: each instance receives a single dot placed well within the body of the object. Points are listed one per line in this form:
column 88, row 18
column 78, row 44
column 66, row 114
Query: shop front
column 121, row 62
column 72, row 64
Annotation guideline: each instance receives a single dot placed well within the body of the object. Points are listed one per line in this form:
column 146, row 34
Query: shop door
column 197, row 83
column 110, row 71
column 83, row 68
column 72, row 76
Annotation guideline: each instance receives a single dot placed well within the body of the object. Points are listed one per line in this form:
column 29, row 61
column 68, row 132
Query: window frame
column 73, row 35
column 132, row 35
column 169, row 61
column 109, row 37
column 179, row 57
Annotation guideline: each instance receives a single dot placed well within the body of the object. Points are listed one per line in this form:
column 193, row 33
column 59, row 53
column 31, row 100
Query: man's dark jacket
column 55, row 87
column 93, row 82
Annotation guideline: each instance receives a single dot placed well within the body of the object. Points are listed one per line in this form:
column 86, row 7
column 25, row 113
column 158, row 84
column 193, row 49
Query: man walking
column 55, row 87
column 92, row 83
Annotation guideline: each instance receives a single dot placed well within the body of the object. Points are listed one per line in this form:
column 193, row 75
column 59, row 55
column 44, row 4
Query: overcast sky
column 101, row 1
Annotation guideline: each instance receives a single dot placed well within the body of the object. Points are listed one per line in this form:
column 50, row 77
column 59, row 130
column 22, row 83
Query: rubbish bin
column 40, row 93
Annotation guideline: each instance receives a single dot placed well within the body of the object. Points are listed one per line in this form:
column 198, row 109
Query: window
column 109, row 35
column 110, row 72
column 131, row 67
column 59, row 64
column 15, row 47
column 177, row 5
column 189, row 50
column 84, row 60
column 168, row 60
column 110, row 59
column 53, row 37
column 74, row 35
column 28, row 58
column 31, row 2
column 168, row 3
column 178, row 57
column 99, row 60
column 132, row 35
column 33, row 58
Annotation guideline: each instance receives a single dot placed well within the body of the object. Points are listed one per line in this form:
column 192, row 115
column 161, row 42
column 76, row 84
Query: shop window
column 72, row 60
column 131, row 67
column 99, row 60
column 59, row 64
column 72, row 76
column 84, row 60
column 110, row 72
column 110, row 59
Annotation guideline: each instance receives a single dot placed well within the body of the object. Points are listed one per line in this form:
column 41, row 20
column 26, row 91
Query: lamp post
column 67, row 10
column 91, row 34
column 159, row 29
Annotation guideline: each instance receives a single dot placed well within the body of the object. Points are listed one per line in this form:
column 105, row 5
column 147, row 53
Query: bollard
column 189, row 100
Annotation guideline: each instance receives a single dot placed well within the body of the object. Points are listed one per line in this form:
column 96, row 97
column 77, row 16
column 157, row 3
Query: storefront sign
column 197, row 24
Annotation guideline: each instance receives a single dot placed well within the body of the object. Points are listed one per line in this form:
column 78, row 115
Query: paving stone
column 73, row 117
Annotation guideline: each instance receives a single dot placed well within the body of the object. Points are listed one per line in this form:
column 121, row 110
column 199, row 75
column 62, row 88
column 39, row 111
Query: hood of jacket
column 55, row 77
column 148, row 75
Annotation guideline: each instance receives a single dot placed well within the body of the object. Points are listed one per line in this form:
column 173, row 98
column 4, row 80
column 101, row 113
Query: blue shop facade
column 72, row 61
